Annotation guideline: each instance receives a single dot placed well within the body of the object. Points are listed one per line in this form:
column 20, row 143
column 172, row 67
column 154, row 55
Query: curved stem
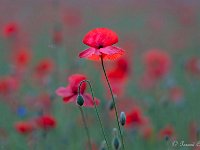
column 97, row 112
column 113, row 99
column 86, row 128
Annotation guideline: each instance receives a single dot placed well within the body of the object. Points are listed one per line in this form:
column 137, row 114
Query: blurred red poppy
column 44, row 67
column 157, row 63
column 167, row 131
column 118, row 76
column 135, row 118
column 72, row 17
column 24, row 127
column 193, row 65
column 57, row 37
column 8, row 84
column 21, row 58
column 10, row 29
column 46, row 122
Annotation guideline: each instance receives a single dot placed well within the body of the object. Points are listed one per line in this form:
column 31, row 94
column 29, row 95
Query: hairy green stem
column 86, row 127
column 95, row 106
column 113, row 99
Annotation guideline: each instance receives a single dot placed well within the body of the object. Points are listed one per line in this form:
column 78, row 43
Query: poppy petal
column 88, row 101
column 111, row 52
column 68, row 99
column 64, row 92
column 87, row 53
column 75, row 80
column 90, row 53
column 100, row 37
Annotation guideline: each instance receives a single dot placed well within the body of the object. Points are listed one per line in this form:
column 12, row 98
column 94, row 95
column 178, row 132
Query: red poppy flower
column 44, row 67
column 120, row 71
column 21, row 58
column 118, row 76
column 10, row 29
column 24, row 127
column 8, row 84
column 157, row 63
column 167, row 131
column 57, row 37
column 70, row 93
column 135, row 117
column 100, row 41
column 193, row 65
column 72, row 17
column 46, row 122
column 4, row 87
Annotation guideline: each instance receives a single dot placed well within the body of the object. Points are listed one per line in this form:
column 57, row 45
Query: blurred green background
column 169, row 25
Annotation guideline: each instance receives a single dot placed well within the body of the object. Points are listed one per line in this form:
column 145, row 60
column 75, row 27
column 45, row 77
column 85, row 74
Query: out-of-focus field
column 166, row 106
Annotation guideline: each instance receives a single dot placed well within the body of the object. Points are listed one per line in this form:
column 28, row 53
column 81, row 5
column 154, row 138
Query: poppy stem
column 86, row 128
column 97, row 112
column 113, row 99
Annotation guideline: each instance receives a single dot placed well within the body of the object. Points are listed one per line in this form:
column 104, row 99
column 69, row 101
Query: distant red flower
column 57, row 37
column 193, row 65
column 157, row 63
column 118, row 75
column 44, row 67
column 21, row 58
column 10, row 29
column 100, row 41
column 120, row 71
column 135, row 117
column 167, row 131
column 24, row 127
column 72, row 18
column 8, row 84
column 4, row 87
column 70, row 93
column 46, row 122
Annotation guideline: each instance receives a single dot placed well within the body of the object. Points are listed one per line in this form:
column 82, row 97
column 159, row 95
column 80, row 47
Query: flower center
column 100, row 46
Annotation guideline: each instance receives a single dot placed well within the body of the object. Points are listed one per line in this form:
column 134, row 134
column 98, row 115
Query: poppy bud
column 80, row 100
column 103, row 145
column 115, row 132
column 116, row 144
column 122, row 118
column 110, row 105
column 167, row 138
